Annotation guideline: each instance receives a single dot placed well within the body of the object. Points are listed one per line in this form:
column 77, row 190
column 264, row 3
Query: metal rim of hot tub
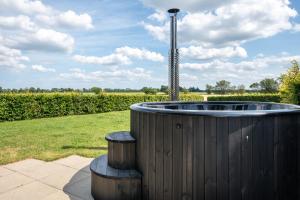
column 154, row 108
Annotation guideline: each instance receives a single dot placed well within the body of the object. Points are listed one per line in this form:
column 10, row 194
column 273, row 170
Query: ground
column 64, row 179
column 52, row 138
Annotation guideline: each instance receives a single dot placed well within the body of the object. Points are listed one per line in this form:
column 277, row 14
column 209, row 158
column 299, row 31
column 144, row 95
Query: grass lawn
column 53, row 138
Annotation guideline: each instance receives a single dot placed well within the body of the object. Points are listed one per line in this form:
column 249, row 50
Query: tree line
column 267, row 85
column 221, row 87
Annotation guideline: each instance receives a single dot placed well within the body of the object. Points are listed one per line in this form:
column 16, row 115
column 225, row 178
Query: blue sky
column 124, row 43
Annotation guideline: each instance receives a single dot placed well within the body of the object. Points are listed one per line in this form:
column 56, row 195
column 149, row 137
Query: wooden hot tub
column 217, row 150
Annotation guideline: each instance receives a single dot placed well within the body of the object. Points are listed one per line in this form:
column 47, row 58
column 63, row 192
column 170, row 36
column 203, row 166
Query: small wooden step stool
column 114, row 176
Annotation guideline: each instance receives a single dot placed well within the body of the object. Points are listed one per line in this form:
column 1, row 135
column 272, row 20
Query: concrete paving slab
column 61, row 196
column 13, row 181
column 62, row 178
column 32, row 191
column 5, row 172
column 87, row 168
column 67, row 178
column 43, row 170
column 80, row 189
column 24, row 164
column 76, row 162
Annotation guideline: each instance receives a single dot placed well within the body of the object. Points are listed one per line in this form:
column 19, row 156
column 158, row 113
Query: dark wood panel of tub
column 214, row 158
column 121, row 150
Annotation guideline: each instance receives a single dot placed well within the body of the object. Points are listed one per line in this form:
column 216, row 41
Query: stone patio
column 66, row 178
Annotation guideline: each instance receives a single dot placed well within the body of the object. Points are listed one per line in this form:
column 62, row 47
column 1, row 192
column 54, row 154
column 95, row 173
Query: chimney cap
column 173, row 10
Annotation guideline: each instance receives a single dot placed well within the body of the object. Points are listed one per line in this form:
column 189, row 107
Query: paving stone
column 76, row 162
column 44, row 170
column 87, row 168
column 13, row 181
column 80, row 189
column 33, row 179
column 61, row 196
column 5, row 172
column 24, row 165
column 32, row 191
column 64, row 177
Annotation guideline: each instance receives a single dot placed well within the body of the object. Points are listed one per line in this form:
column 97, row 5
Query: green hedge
column 250, row 97
column 30, row 106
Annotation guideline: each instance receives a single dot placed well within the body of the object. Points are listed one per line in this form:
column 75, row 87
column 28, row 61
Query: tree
column 1, row 89
column 184, row 90
column 164, row 89
column 194, row 89
column 31, row 90
column 209, row 88
column 222, row 86
column 290, row 84
column 255, row 86
column 149, row 90
column 240, row 89
column 269, row 85
column 96, row 90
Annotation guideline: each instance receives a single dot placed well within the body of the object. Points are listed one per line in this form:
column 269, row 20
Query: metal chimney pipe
column 173, row 57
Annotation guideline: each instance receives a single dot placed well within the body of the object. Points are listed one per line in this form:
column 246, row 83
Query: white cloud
column 24, row 32
column 188, row 77
column 12, row 58
column 158, row 32
column 113, row 59
column 246, row 72
column 24, row 6
column 47, row 14
column 114, row 74
column 296, row 28
column 230, row 24
column 68, row 19
column 187, row 80
column 198, row 52
column 121, row 56
column 187, row 5
column 19, row 22
column 140, row 54
column 159, row 16
column 40, row 68
column 243, row 66
column 43, row 40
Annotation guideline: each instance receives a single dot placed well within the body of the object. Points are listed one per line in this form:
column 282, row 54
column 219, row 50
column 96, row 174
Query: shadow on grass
column 83, row 147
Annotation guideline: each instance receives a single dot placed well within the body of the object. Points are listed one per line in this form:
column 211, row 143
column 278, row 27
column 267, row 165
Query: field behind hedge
column 247, row 97
column 31, row 106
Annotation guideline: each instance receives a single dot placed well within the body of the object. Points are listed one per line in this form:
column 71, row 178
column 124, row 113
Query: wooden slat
column 298, row 154
column 132, row 123
column 110, row 152
column 198, row 158
column 257, row 161
column 177, row 157
column 159, row 178
column 276, row 160
column 234, row 158
column 291, row 156
column 187, row 158
column 145, row 154
column 222, row 159
column 167, row 159
column 135, row 190
column 138, row 142
column 268, row 160
column 210, row 158
column 151, row 173
column 246, row 158
column 281, row 159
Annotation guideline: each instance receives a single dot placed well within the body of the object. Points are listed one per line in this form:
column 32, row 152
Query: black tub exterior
column 195, row 156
